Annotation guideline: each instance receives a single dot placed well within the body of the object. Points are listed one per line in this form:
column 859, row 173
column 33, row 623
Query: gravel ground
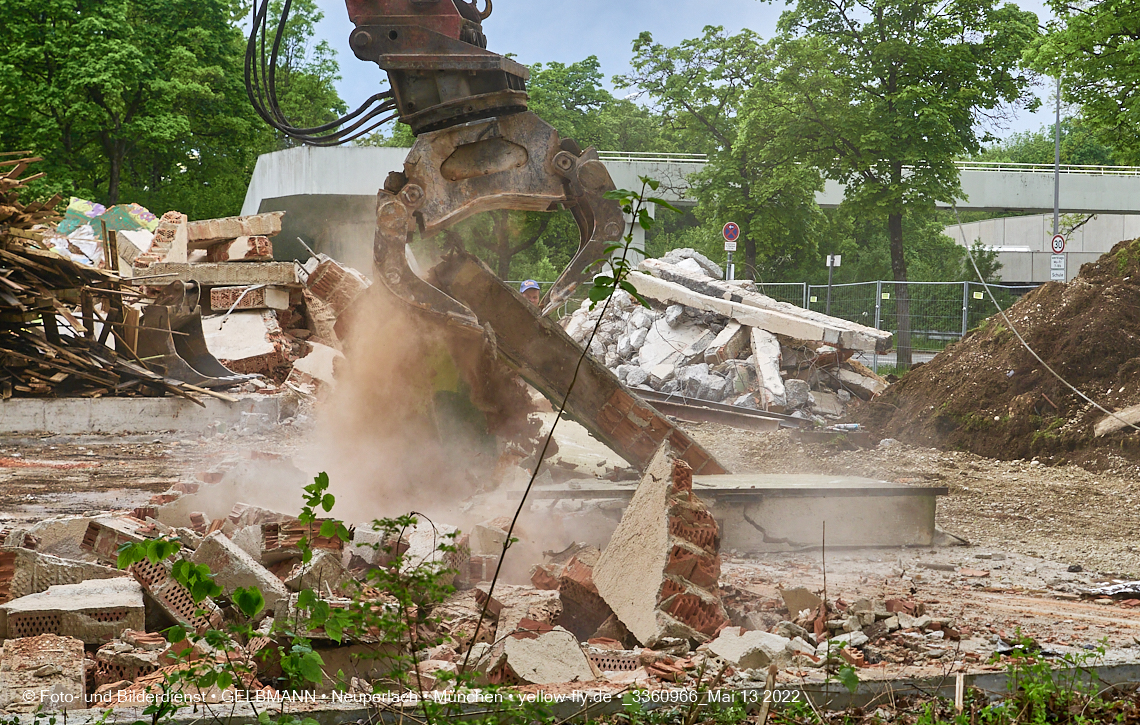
column 1063, row 514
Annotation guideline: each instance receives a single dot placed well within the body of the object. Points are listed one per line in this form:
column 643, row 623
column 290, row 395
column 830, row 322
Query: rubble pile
column 723, row 342
column 59, row 318
column 988, row 395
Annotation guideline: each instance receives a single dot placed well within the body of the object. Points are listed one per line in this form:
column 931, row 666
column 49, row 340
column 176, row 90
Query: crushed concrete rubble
column 723, row 342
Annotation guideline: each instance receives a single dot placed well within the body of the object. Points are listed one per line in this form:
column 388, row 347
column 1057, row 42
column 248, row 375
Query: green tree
column 884, row 95
column 1080, row 145
column 1093, row 48
column 700, row 88
column 129, row 99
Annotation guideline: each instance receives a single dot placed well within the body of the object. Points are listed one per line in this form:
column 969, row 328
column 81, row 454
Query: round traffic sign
column 731, row 232
column 1058, row 244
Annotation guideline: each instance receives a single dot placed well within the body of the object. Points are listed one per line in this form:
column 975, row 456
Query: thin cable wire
column 1009, row 324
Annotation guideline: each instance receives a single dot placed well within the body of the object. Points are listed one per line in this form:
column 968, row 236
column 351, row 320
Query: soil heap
column 988, row 395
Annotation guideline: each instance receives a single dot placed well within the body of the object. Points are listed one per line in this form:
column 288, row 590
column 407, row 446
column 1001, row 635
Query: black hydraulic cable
column 261, row 82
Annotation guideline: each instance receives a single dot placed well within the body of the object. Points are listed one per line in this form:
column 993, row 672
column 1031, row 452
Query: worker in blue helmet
column 531, row 291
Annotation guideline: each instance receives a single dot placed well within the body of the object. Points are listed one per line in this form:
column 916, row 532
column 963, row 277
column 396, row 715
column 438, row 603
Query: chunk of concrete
column 323, row 572
column 173, row 598
column 798, row 600
column 664, row 343
column 750, row 650
column 209, row 232
column 320, row 364
column 797, row 394
column 708, row 267
column 512, row 605
column 583, row 609
column 249, row 340
column 728, row 344
column 51, row 667
column 94, row 611
column 659, row 572
column 766, row 349
column 24, row 572
column 234, row 569
column 547, row 658
column 781, row 318
column 424, row 540
column 864, row 386
column 104, row 536
column 825, row 403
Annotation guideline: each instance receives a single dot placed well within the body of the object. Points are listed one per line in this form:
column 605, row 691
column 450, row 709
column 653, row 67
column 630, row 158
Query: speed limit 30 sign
column 1058, row 244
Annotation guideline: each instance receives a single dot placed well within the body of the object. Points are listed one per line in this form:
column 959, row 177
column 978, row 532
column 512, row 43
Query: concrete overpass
column 330, row 193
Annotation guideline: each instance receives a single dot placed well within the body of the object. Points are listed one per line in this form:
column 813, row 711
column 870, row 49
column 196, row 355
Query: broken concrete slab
column 551, row 657
column 708, row 267
column 51, row 667
column 319, row 365
column 244, row 339
column 863, row 386
column 583, row 609
column 512, row 605
column 226, row 274
column 323, row 572
column 223, row 299
column 828, row 329
column 94, row 611
column 825, row 403
column 1119, row 421
column 766, row 350
column 750, row 650
column 209, row 232
column 659, row 573
column 105, row 536
column 664, row 343
column 728, row 344
column 24, row 572
column 798, row 600
column 233, row 569
column 424, row 540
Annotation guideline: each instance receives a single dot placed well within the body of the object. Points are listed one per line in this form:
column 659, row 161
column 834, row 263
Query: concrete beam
column 84, row 416
column 776, row 322
column 223, row 274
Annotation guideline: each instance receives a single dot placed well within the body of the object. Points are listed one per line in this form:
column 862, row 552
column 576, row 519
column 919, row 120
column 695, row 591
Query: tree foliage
column 701, row 88
column 1080, row 145
column 1093, row 47
column 884, row 95
column 138, row 100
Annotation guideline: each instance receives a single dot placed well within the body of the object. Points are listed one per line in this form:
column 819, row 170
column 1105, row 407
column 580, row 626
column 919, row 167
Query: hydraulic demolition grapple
column 478, row 148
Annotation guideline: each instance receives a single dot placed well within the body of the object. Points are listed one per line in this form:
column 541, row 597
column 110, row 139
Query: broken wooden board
column 545, row 356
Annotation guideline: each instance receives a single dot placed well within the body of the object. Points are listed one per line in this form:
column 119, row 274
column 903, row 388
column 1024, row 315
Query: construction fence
column 941, row 313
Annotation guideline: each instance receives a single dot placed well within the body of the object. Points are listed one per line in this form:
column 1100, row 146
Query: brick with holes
column 583, row 609
column 24, row 572
column 173, row 598
column 659, row 572
column 94, row 611
column 104, row 536
column 47, row 664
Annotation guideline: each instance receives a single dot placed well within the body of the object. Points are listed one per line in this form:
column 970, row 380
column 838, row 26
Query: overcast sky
column 540, row 31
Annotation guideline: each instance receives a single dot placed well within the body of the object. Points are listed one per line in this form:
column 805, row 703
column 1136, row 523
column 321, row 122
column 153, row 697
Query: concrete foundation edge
column 81, row 416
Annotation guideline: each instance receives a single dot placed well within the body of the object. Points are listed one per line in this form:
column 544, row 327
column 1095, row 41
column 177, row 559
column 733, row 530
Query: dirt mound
column 988, row 395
